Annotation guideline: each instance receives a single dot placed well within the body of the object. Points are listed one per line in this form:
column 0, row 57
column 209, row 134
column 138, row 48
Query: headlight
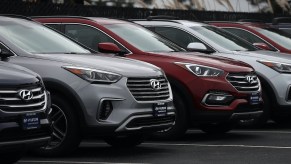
column 93, row 75
column 201, row 70
column 279, row 67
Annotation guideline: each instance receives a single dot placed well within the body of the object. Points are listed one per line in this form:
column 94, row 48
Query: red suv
column 212, row 92
column 259, row 34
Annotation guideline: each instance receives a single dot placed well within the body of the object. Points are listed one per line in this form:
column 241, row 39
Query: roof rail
column 16, row 16
column 278, row 20
column 60, row 16
column 251, row 20
column 162, row 17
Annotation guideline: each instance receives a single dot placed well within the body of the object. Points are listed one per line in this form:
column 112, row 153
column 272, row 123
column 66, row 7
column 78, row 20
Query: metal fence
column 45, row 8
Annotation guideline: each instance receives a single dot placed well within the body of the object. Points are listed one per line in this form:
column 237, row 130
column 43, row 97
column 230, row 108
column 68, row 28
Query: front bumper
column 242, row 112
column 13, row 137
column 128, row 115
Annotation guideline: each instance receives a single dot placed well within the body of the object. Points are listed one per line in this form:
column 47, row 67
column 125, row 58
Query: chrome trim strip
column 23, row 105
column 124, row 128
column 205, row 97
column 100, row 103
column 26, row 111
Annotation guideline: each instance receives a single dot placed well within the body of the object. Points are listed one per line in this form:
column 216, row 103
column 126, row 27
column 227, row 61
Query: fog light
column 105, row 109
column 218, row 99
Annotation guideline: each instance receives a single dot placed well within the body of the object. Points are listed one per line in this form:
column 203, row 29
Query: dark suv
column 211, row 92
column 24, row 106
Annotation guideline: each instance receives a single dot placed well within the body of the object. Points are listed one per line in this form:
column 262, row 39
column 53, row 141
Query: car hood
column 267, row 55
column 226, row 64
column 124, row 66
column 16, row 75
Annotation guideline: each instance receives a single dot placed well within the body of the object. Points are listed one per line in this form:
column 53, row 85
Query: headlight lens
column 93, row 75
column 279, row 67
column 201, row 70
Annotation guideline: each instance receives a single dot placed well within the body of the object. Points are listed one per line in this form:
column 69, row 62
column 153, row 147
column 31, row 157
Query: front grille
column 142, row 90
column 247, row 82
column 150, row 121
column 11, row 101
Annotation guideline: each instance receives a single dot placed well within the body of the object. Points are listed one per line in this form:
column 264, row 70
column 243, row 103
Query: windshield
column 280, row 37
column 35, row 38
column 224, row 38
column 142, row 38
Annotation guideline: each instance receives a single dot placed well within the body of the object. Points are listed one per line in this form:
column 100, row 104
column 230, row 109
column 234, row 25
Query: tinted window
column 35, row 38
column 88, row 36
column 224, row 38
column 247, row 36
column 55, row 26
column 177, row 36
column 288, row 30
column 280, row 37
column 142, row 38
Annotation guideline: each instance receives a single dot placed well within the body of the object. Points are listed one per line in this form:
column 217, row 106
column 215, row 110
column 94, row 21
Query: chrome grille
column 246, row 82
column 11, row 101
column 142, row 90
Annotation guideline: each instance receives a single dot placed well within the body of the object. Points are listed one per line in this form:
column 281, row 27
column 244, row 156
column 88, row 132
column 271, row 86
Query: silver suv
column 119, row 99
column 273, row 69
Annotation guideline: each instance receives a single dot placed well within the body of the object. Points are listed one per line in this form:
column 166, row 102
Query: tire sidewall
column 72, row 138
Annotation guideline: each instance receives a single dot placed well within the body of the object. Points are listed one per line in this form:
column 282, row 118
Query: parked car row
column 162, row 79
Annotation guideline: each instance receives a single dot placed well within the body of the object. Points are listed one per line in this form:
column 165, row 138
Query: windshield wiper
column 70, row 53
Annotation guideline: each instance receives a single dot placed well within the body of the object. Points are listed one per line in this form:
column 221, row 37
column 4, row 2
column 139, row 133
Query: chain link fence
column 45, row 8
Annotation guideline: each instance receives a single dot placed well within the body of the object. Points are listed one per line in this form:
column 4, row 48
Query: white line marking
column 251, row 131
column 201, row 145
column 204, row 145
column 72, row 162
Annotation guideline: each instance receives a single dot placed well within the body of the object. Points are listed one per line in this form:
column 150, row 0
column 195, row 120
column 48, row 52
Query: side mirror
column 263, row 46
column 4, row 53
column 198, row 47
column 108, row 48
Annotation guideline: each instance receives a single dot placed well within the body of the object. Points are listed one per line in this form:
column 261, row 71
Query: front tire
column 124, row 141
column 262, row 120
column 180, row 127
column 65, row 137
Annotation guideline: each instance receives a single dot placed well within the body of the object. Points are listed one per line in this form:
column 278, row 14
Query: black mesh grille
column 142, row 90
column 244, row 81
column 151, row 121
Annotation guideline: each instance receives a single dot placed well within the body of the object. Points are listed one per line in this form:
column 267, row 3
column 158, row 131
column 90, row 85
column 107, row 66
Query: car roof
column 104, row 21
column 253, row 24
column 181, row 22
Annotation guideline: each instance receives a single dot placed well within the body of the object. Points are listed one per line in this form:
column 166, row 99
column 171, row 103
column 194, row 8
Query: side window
column 89, row 36
column 177, row 36
column 247, row 36
column 55, row 26
column 4, row 51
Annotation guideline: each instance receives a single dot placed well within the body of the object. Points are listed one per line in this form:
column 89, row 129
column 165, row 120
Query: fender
column 59, row 87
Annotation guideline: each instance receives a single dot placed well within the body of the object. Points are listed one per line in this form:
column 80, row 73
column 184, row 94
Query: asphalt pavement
column 271, row 144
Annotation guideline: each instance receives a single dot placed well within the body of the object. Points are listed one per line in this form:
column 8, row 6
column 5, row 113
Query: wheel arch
column 58, row 87
column 266, row 87
column 185, row 94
